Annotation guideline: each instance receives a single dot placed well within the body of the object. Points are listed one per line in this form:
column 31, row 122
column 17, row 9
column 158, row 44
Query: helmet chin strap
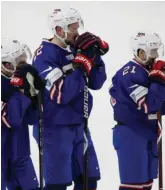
column 147, row 62
column 141, row 61
column 62, row 39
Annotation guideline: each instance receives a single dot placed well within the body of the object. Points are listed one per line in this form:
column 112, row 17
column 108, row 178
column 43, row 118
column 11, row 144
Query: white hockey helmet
column 11, row 50
column 63, row 18
column 150, row 43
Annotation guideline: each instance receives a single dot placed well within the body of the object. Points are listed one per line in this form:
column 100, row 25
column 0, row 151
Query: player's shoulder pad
column 46, row 52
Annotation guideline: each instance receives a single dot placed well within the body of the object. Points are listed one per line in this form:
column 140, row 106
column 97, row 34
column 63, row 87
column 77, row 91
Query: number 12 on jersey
column 129, row 69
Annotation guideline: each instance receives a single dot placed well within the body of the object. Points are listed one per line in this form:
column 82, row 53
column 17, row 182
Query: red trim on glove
column 81, row 59
column 157, row 73
column 88, row 44
column 16, row 81
column 103, row 44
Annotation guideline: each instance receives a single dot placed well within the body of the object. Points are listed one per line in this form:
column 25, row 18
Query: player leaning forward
column 137, row 94
column 18, row 111
column 63, row 70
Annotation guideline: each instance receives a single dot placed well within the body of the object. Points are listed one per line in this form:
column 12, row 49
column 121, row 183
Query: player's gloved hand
column 27, row 79
column 87, row 47
column 102, row 46
column 85, row 50
column 83, row 62
column 91, row 43
column 157, row 73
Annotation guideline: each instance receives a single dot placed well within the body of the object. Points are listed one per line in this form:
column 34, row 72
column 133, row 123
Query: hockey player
column 137, row 94
column 17, row 112
column 63, row 71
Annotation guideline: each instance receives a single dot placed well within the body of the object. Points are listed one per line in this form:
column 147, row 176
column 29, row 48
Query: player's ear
column 140, row 53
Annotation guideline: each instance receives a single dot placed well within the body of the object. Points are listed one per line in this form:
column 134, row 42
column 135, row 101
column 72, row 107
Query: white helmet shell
column 11, row 50
column 63, row 18
column 146, row 42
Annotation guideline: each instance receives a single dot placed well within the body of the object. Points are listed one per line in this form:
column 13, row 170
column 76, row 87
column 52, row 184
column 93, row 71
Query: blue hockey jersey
column 64, row 92
column 163, row 109
column 135, row 101
column 16, row 114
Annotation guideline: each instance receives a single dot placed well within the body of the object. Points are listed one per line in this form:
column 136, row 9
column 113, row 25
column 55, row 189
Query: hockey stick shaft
column 85, row 133
column 160, row 157
column 40, row 122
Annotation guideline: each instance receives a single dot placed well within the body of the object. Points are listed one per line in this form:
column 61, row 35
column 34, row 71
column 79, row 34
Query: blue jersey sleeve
column 60, row 86
column 14, row 110
column 69, row 87
column 148, row 97
column 98, row 75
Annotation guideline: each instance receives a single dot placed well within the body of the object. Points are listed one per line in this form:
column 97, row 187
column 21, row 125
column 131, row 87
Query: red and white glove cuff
column 157, row 73
column 81, row 59
column 16, row 81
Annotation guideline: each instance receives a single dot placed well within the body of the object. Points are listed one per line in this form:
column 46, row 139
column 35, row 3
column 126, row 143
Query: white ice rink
column 113, row 21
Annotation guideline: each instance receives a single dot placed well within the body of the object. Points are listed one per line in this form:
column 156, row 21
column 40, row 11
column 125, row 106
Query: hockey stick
column 85, row 179
column 40, row 145
column 160, row 157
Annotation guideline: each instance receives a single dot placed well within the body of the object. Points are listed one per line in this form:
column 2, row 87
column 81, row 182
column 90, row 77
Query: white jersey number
column 128, row 69
column 37, row 52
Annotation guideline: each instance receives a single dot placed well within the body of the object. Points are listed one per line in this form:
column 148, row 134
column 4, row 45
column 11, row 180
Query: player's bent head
column 65, row 25
column 146, row 47
column 13, row 53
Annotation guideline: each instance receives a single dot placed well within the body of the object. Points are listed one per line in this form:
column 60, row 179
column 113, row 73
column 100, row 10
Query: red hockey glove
column 87, row 47
column 26, row 78
column 157, row 73
column 85, row 40
column 82, row 62
column 91, row 43
column 103, row 46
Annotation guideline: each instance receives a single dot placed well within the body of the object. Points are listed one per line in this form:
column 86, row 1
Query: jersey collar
column 135, row 61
